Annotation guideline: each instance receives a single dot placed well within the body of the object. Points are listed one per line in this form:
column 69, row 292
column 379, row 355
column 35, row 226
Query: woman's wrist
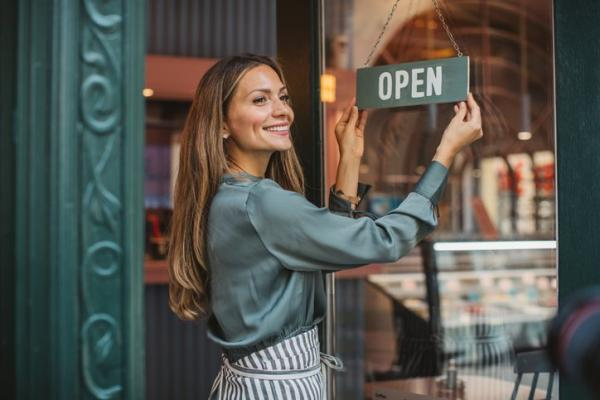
column 350, row 160
column 347, row 175
column 445, row 155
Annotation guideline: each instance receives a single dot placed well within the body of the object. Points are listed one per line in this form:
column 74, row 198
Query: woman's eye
column 259, row 100
column 285, row 98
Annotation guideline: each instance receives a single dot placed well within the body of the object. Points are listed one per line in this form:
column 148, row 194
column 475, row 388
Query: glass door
column 457, row 316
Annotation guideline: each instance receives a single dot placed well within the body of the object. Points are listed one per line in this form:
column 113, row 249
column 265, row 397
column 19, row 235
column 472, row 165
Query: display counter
column 511, row 291
column 474, row 305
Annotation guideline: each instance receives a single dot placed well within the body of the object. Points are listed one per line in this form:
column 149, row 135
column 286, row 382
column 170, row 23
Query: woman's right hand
column 463, row 129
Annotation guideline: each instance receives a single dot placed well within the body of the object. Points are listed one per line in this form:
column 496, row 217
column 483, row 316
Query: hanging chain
column 438, row 10
column 382, row 32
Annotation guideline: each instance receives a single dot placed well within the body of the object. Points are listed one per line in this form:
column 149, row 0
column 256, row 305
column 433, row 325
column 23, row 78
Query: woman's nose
column 281, row 107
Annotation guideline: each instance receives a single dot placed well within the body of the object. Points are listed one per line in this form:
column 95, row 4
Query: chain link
column 438, row 11
column 382, row 32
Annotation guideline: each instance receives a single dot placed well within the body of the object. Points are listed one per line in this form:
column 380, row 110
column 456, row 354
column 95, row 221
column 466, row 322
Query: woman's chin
column 283, row 145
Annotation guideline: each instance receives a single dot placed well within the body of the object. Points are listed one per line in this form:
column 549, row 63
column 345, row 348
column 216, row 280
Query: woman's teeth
column 283, row 128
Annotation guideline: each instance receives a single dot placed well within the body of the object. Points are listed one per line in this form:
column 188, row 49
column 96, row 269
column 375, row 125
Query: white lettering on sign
column 416, row 82
column 434, row 81
column 385, row 86
column 419, row 87
column 401, row 82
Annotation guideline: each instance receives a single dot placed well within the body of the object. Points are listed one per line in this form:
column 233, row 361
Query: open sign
column 423, row 82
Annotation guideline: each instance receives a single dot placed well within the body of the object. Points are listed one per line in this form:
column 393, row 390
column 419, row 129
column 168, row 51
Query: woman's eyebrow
column 268, row 91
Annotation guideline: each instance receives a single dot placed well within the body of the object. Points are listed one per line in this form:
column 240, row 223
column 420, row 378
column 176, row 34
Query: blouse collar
column 239, row 176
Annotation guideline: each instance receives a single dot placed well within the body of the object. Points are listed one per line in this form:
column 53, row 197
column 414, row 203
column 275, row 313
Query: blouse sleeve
column 304, row 237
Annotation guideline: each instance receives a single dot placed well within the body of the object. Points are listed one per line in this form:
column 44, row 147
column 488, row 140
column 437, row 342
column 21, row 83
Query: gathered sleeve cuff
column 342, row 206
column 432, row 183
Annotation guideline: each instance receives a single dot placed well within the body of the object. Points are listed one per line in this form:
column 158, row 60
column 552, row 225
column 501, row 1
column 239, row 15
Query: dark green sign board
column 444, row 80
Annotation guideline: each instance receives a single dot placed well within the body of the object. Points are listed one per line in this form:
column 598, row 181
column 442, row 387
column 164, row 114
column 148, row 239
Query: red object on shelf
column 155, row 223
column 156, row 272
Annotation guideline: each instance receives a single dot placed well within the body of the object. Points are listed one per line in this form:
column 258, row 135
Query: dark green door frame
column 577, row 56
column 75, row 123
column 299, row 50
column 8, row 14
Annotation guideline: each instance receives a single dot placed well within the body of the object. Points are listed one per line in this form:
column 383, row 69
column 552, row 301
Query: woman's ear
column 225, row 131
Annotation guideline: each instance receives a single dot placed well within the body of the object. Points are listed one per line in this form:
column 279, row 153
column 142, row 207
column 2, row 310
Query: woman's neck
column 255, row 165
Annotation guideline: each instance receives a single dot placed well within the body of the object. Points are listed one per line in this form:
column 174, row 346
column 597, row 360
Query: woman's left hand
column 349, row 132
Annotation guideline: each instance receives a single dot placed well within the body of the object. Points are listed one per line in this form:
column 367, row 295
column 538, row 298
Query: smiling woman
column 249, row 250
column 225, row 132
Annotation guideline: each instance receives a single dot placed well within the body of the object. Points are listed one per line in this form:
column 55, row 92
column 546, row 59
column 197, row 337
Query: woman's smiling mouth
column 279, row 130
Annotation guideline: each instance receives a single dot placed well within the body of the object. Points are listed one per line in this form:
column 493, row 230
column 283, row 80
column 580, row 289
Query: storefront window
column 478, row 294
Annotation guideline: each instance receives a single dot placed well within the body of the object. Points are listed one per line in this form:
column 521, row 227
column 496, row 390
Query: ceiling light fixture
column 524, row 135
column 328, row 88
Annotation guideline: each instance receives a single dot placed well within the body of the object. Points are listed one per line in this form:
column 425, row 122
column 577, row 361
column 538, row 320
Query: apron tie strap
column 331, row 362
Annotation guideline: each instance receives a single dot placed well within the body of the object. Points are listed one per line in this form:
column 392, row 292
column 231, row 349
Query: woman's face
column 259, row 115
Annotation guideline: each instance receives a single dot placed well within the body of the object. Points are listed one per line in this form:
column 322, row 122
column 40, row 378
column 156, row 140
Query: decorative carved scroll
column 101, row 129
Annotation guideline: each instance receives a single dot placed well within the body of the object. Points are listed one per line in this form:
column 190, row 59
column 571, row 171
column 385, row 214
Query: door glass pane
column 478, row 294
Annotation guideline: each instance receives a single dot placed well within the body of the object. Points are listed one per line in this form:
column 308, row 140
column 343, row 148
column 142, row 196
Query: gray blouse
column 268, row 247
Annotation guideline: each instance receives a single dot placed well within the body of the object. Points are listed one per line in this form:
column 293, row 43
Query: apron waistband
column 270, row 375
column 327, row 361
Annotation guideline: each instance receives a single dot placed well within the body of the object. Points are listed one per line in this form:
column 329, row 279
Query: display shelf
column 156, row 272
column 509, row 293
column 400, row 277
column 163, row 126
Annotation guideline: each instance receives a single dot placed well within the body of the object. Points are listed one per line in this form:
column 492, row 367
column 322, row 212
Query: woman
column 248, row 250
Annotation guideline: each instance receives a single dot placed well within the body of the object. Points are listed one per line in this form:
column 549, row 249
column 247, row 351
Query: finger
column 474, row 110
column 347, row 111
column 462, row 111
column 455, row 108
column 362, row 121
column 352, row 102
column 471, row 101
column 346, row 114
column 353, row 117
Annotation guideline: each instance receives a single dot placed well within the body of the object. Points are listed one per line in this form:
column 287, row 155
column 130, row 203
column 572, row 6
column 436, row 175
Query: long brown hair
column 202, row 162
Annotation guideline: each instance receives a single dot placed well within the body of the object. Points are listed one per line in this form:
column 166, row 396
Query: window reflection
column 464, row 313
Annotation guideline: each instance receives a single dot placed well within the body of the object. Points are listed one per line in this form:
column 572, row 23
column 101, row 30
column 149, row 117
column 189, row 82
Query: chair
column 535, row 362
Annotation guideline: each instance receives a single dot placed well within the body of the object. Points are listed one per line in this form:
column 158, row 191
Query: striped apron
column 293, row 369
